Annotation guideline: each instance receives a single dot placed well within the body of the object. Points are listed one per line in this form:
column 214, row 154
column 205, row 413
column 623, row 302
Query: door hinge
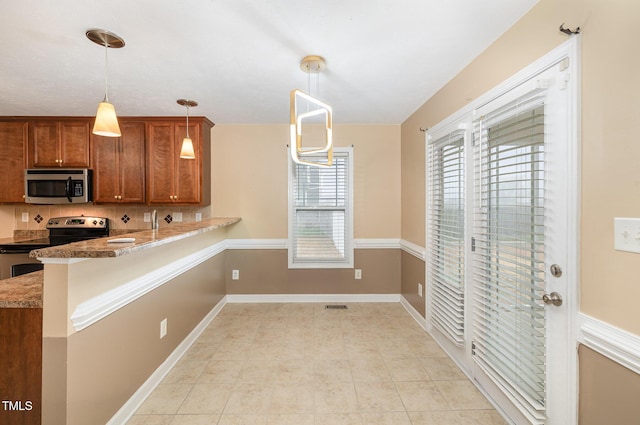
column 473, row 348
column 473, row 244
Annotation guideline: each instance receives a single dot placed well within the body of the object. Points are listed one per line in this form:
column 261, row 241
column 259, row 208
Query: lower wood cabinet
column 21, row 362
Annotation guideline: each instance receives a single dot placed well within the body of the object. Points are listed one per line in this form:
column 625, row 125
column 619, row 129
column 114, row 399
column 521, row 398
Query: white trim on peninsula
column 94, row 309
column 617, row 344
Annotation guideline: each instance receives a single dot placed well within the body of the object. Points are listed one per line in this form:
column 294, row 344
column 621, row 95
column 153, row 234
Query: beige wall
column 249, row 178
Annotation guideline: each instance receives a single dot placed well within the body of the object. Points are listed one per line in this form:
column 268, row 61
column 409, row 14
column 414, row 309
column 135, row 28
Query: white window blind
column 320, row 228
column 446, row 234
column 509, row 325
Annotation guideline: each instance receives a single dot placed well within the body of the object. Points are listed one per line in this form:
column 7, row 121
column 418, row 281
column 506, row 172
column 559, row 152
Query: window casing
column 321, row 212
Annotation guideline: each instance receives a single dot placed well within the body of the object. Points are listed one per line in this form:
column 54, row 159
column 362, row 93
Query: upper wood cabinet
column 13, row 160
column 60, row 143
column 171, row 179
column 119, row 165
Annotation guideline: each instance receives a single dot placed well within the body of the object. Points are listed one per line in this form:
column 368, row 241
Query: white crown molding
column 96, row 308
column 314, row 298
column 135, row 401
column 413, row 249
column 617, row 344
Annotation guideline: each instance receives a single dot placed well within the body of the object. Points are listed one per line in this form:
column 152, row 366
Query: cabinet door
column 43, row 145
column 60, row 144
column 161, row 166
column 119, row 165
column 132, row 162
column 13, row 145
column 74, row 143
column 188, row 171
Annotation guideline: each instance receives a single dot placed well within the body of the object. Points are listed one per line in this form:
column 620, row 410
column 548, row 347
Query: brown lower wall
column 108, row 361
column 609, row 392
column 267, row 272
column 413, row 273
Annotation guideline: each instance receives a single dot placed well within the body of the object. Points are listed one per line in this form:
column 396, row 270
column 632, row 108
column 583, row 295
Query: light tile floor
column 301, row 364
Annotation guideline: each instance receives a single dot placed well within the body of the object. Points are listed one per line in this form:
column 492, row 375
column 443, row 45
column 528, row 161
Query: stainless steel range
column 14, row 257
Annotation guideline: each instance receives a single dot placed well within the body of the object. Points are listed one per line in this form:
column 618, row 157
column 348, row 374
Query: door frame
column 570, row 50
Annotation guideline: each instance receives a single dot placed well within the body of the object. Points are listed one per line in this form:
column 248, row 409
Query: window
column 446, row 215
column 320, row 212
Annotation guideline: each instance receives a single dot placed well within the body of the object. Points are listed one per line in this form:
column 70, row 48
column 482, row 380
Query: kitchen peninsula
column 113, row 313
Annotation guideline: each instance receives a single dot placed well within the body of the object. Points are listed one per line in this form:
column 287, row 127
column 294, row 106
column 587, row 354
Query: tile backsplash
column 121, row 217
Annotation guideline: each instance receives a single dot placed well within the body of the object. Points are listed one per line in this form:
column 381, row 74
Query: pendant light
column 187, row 151
column 106, row 123
column 310, row 65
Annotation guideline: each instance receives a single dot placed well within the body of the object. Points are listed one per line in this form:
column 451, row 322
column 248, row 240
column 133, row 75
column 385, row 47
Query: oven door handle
column 67, row 189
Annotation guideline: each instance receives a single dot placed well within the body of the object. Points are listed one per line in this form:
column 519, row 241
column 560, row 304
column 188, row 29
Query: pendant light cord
column 188, row 122
column 106, row 69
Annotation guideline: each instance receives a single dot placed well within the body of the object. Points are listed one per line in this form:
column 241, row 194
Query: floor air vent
column 335, row 307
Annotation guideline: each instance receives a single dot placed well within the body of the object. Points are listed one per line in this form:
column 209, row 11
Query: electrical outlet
column 198, row 216
column 358, row 274
column 163, row 328
column 147, row 217
column 626, row 233
column 177, row 217
column 420, row 289
column 25, row 217
column 235, row 274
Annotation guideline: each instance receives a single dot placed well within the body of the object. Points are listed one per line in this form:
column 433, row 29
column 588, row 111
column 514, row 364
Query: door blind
column 509, row 325
column 446, row 235
column 320, row 211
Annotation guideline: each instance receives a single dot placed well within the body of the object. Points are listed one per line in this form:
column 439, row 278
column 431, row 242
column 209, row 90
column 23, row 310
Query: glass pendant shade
column 187, row 151
column 106, row 123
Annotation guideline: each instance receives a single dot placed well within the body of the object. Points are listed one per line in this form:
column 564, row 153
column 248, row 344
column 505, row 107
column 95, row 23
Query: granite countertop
column 101, row 248
column 26, row 291
column 22, row 291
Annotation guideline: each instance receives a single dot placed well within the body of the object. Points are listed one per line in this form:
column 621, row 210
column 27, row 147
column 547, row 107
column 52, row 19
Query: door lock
column 552, row 298
column 556, row 270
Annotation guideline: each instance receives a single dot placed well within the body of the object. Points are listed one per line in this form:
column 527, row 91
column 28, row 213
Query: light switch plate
column 25, row 217
column 147, row 217
column 177, row 217
column 626, row 234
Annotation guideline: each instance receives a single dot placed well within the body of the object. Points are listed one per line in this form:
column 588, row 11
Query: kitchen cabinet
column 119, row 165
column 60, row 143
column 171, row 179
column 13, row 160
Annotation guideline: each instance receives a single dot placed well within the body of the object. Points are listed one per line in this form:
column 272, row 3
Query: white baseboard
column 414, row 313
column 617, row 344
column 135, row 401
column 313, row 298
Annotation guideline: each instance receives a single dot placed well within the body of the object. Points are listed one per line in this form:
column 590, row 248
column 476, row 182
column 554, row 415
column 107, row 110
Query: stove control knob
column 101, row 222
column 95, row 222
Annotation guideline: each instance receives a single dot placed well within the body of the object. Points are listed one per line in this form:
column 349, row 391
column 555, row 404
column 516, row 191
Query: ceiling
column 239, row 59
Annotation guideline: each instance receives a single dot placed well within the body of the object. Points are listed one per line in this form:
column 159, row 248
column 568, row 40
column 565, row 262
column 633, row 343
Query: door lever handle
column 552, row 298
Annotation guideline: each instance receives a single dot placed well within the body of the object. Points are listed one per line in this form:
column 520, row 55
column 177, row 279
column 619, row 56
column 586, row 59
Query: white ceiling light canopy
column 106, row 123
column 187, row 151
column 311, row 65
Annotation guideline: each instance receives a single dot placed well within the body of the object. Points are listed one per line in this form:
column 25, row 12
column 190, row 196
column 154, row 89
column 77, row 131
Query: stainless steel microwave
column 58, row 186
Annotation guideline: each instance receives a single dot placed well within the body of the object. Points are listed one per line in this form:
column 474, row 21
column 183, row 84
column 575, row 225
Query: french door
column 502, row 240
